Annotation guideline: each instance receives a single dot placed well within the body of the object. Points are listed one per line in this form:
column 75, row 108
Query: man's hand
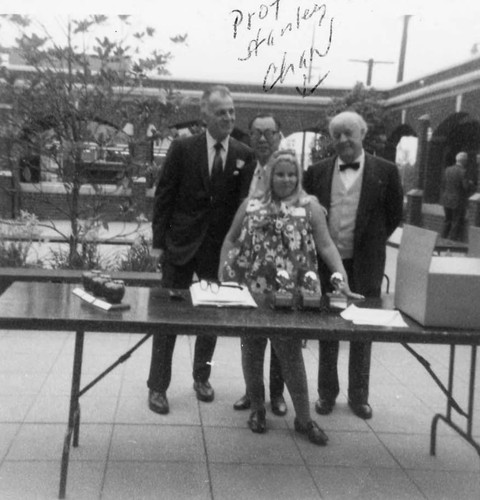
column 157, row 253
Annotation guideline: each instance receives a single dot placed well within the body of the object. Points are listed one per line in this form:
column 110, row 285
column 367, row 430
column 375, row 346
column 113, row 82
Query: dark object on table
column 87, row 279
column 98, row 282
column 113, row 291
column 175, row 295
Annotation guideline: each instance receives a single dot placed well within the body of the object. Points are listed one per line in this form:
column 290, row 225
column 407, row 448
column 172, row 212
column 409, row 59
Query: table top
column 53, row 306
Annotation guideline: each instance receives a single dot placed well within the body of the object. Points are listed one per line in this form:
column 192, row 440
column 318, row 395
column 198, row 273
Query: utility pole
column 403, row 48
column 370, row 62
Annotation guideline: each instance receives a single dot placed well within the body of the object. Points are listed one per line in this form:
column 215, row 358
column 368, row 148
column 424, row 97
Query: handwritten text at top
column 266, row 23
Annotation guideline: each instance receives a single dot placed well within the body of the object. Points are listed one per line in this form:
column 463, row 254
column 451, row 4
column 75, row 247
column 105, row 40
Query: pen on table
column 227, row 285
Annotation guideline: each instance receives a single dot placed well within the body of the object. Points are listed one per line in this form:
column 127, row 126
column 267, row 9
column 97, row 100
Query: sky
column 251, row 41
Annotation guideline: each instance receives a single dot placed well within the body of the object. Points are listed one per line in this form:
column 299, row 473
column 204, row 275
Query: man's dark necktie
column 345, row 166
column 216, row 177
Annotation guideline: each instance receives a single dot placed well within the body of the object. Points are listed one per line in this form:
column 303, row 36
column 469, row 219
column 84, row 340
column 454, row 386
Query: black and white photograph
column 239, row 250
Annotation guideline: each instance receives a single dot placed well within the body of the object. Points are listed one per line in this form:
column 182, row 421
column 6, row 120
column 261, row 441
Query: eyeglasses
column 214, row 286
column 268, row 134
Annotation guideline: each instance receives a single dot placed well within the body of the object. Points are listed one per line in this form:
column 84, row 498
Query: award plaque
column 282, row 297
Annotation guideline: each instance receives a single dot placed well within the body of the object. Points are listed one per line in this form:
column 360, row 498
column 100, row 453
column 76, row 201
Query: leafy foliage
column 78, row 91
column 87, row 258
column 16, row 242
column 138, row 257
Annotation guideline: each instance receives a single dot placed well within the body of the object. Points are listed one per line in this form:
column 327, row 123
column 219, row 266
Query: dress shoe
column 158, row 402
column 324, row 406
column 257, row 421
column 279, row 407
column 242, row 404
column 204, row 391
column 362, row 410
column 312, row 430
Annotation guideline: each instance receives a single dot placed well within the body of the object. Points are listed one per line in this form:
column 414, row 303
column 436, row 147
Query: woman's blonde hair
column 299, row 196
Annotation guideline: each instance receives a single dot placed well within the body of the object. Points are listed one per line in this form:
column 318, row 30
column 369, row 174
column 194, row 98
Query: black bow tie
column 344, row 166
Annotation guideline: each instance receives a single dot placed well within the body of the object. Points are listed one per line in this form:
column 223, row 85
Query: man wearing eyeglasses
column 265, row 137
column 203, row 181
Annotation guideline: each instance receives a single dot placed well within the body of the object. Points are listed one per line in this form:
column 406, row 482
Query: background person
column 265, row 137
column 279, row 230
column 456, row 190
column 203, row 180
column 364, row 198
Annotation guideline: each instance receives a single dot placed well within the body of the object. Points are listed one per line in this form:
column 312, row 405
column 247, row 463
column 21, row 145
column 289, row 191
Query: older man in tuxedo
column 202, row 183
column 364, row 199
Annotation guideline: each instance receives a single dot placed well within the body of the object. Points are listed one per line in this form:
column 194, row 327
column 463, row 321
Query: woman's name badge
column 299, row 212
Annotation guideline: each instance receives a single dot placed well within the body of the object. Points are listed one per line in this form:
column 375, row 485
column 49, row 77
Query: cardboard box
column 474, row 241
column 441, row 291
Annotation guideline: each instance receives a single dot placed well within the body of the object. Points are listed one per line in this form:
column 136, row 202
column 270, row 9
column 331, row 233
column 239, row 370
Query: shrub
column 88, row 258
column 138, row 257
column 16, row 241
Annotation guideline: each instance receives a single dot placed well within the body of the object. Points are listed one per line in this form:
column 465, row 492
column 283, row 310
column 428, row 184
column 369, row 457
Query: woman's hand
column 341, row 285
column 344, row 289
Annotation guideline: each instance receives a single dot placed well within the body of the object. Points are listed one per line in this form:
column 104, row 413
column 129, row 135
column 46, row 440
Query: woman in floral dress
column 281, row 229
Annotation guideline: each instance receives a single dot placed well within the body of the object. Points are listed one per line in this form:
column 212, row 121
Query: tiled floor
column 205, row 450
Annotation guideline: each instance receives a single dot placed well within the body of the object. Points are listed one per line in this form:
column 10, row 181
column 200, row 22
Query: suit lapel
column 202, row 158
column 327, row 183
column 230, row 163
column 367, row 196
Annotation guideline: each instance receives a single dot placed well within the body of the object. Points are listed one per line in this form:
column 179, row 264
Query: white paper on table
column 376, row 317
column 227, row 296
column 91, row 299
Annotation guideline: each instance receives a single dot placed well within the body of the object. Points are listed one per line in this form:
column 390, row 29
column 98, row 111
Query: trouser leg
column 458, row 220
column 203, row 354
column 161, row 362
column 253, row 356
column 359, row 371
column 205, row 265
column 163, row 345
column 289, row 352
column 276, row 378
column 447, row 222
column 328, row 386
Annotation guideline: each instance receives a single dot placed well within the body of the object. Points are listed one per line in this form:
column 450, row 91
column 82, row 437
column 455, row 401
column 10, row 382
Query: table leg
column 447, row 418
column 467, row 435
column 76, row 426
column 74, row 412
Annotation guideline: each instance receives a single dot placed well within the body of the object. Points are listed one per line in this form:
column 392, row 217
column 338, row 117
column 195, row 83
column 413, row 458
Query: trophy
column 310, row 293
column 336, row 299
column 282, row 297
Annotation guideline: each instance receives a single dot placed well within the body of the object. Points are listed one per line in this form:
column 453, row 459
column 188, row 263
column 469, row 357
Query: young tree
column 79, row 88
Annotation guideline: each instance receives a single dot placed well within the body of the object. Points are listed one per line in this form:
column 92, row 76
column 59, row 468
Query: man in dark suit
column 202, row 183
column 364, row 199
column 456, row 189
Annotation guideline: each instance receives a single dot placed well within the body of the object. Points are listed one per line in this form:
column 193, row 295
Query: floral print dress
column 272, row 239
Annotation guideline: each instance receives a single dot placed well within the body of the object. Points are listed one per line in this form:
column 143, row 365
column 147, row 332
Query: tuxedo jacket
column 185, row 208
column 379, row 212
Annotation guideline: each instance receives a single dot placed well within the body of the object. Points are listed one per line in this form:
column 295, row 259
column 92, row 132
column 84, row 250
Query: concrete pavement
column 205, row 450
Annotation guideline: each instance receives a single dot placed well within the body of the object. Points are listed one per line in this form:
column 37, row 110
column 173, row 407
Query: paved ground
column 205, row 450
